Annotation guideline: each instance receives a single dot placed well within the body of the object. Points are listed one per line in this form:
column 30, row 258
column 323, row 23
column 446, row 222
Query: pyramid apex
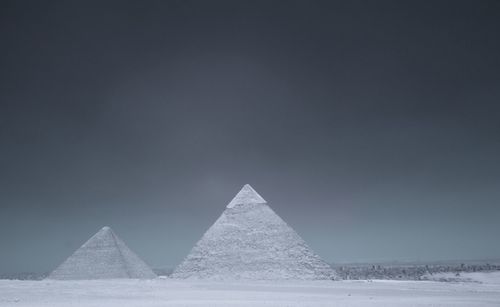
column 247, row 195
column 106, row 228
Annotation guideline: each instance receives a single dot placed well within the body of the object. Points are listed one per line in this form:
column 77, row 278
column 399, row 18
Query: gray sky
column 371, row 128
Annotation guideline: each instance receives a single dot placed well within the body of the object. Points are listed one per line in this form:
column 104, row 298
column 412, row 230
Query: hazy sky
column 372, row 128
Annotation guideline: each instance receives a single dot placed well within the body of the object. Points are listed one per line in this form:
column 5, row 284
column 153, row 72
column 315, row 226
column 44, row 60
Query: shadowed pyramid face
column 250, row 241
column 104, row 256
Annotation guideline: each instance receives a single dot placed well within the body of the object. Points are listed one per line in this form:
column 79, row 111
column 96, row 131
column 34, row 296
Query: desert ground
column 480, row 289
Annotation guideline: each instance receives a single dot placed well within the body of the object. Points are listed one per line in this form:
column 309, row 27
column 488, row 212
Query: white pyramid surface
column 247, row 195
column 250, row 241
column 104, row 256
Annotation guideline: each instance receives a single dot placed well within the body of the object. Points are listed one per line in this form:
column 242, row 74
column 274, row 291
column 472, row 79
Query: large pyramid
column 250, row 241
column 104, row 256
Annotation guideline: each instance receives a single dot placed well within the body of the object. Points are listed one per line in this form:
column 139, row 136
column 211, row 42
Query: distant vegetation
column 408, row 271
column 24, row 276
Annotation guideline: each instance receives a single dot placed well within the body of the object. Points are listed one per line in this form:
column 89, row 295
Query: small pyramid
column 104, row 256
column 250, row 241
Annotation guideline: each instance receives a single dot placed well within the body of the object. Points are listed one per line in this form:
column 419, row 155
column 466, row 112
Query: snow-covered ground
column 168, row 292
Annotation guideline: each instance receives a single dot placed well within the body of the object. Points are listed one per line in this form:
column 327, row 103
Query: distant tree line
column 408, row 272
column 24, row 276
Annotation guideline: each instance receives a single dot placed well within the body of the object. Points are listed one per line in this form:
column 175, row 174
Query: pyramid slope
column 250, row 241
column 104, row 256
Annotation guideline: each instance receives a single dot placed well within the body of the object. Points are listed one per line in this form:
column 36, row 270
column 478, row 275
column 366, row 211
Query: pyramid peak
column 106, row 228
column 247, row 195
